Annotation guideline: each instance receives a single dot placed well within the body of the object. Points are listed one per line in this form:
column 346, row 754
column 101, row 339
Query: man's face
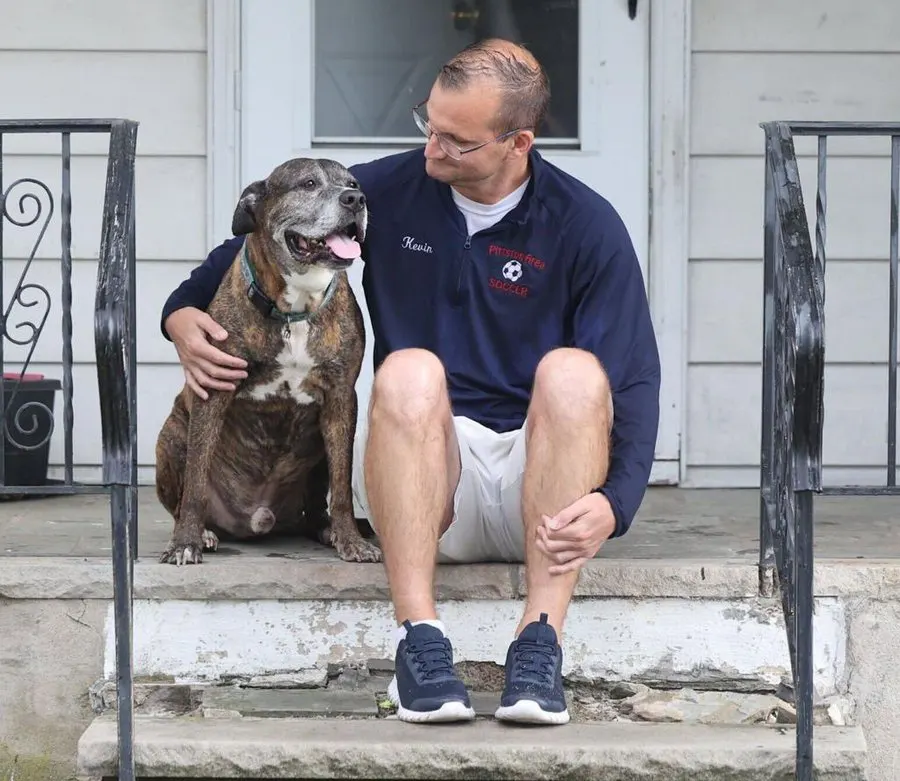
column 466, row 118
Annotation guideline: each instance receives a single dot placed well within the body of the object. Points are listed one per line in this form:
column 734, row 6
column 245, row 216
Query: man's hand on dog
column 205, row 365
column 575, row 534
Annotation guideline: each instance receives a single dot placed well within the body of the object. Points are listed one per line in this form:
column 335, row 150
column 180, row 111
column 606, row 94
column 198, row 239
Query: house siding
column 763, row 60
column 145, row 61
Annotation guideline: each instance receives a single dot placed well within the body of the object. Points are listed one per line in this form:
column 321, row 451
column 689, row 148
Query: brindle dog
column 242, row 462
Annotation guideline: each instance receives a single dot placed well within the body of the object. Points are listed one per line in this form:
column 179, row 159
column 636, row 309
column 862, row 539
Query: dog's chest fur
column 292, row 366
column 294, row 361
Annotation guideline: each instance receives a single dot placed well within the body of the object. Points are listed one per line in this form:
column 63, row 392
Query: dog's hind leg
column 171, row 454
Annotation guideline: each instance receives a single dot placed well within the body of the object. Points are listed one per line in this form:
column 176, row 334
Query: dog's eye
column 353, row 185
column 309, row 184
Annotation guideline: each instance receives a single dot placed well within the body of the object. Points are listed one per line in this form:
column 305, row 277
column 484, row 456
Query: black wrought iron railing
column 793, row 388
column 28, row 207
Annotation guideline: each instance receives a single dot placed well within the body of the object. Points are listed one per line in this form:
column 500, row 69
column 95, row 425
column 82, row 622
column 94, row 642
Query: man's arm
column 611, row 319
column 185, row 322
column 199, row 288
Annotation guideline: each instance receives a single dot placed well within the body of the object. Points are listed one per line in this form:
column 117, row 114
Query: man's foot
column 425, row 687
column 533, row 693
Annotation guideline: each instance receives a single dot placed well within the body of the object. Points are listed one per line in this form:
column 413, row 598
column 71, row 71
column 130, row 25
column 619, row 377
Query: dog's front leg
column 338, row 422
column 204, row 425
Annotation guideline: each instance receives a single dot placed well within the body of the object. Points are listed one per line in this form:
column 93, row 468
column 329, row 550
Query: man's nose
column 433, row 148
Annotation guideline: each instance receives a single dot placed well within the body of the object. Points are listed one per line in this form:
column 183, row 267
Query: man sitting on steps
column 510, row 320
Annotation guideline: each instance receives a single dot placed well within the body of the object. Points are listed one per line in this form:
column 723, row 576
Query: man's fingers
column 567, row 515
column 572, row 566
column 211, row 327
column 555, row 542
column 203, row 350
column 560, row 552
column 194, row 385
column 209, row 382
column 576, row 532
column 214, row 370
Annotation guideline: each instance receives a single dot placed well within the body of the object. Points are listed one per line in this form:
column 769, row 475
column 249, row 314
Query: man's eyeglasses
column 451, row 149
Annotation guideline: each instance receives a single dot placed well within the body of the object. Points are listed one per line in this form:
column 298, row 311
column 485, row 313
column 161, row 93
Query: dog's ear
column 244, row 219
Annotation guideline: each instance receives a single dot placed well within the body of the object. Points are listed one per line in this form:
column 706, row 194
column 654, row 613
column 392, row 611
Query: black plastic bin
column 27, row 452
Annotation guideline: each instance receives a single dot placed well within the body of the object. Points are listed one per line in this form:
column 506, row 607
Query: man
column 510, row 319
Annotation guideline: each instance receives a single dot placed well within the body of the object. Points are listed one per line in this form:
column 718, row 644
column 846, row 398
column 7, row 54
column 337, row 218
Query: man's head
column 491, row 99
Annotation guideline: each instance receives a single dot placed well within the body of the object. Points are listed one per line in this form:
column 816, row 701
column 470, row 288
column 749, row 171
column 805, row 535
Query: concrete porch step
column 278, row 748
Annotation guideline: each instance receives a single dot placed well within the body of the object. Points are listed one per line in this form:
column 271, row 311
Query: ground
column 672, row 523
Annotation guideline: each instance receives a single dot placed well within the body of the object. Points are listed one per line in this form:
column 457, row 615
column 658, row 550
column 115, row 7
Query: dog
column 263, row 456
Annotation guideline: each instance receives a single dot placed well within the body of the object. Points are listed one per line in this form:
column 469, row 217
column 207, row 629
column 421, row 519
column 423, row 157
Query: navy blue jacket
column 558, row 270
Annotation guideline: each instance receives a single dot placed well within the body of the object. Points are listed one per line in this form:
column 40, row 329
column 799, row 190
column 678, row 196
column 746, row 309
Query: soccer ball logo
column 512, row 270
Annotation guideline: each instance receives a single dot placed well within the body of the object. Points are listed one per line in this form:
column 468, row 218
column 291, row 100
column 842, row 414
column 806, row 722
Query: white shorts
column 487, row 506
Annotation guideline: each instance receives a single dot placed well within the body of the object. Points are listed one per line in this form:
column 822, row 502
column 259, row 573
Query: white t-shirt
column 482, row 215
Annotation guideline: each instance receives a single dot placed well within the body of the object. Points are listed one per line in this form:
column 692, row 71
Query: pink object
column 23, row 377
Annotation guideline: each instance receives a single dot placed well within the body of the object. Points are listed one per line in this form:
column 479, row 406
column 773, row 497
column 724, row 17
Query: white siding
column 108, row 58
column 761, row 60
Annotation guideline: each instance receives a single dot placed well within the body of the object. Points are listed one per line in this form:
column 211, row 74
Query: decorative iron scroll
column 24, row 211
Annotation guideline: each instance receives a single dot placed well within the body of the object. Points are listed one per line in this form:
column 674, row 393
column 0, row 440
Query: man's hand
column 576, row 533
column 205, row 366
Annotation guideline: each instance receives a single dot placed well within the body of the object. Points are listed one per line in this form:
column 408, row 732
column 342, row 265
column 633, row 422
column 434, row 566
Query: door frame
column 668, row 196
column 670, row 76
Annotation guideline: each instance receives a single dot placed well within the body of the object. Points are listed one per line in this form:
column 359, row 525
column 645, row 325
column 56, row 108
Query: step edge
column 576, row 745
column 322, row 579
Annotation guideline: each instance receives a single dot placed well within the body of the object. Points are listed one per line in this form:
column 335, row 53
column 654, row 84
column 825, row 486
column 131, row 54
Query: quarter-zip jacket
column 559, row 270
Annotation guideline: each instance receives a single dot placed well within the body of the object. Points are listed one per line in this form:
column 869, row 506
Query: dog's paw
column 178, row 554
column 356, row 548
column 210, row 540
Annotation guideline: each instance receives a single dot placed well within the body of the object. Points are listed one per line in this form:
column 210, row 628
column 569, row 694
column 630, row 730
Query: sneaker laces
column 434, row 658
column 535, row 662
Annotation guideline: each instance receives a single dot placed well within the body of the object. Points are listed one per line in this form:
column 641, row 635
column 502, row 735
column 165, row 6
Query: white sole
column 449, row 711
column 529, row 712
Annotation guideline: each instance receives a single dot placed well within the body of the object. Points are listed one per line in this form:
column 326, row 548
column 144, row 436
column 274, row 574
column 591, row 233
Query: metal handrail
column 793, row 383
column 115, row 334
column 793, row 389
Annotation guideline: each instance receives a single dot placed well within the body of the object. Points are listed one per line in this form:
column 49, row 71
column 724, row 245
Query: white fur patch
column 294, row 364
column 294, row 361
column 304, row 289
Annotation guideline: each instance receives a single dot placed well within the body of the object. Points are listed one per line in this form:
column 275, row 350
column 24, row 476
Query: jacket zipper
column 462, row 265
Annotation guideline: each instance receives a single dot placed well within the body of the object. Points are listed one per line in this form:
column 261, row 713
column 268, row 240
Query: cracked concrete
column 689, row 552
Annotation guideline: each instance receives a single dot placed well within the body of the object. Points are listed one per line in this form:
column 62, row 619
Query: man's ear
column 244, row 219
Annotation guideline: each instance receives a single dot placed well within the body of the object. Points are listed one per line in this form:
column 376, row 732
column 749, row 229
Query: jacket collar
column 522, row 212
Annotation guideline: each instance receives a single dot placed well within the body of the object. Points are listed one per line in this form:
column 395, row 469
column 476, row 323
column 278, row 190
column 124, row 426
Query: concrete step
column 290, row 748
column 688, row 623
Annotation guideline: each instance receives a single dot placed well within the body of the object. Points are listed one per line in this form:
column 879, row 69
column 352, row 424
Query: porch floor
column 672, row 524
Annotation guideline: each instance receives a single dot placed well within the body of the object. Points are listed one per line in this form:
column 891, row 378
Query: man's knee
column 410, row 386
column 570, row 382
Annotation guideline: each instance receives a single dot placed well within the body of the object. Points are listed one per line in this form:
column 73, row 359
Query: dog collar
column 266, row 305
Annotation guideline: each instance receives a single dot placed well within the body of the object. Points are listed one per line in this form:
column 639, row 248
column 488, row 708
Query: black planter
column 29, row 404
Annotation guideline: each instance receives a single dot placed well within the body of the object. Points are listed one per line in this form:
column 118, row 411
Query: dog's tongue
column 343, row 246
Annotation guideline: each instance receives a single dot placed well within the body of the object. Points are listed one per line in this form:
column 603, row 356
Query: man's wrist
column 613, row 505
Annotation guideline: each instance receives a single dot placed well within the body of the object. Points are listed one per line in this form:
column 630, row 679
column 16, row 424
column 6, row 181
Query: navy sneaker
column 533, row 693
column 425, row 687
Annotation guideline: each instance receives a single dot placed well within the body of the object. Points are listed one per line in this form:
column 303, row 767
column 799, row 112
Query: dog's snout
column 352, row 199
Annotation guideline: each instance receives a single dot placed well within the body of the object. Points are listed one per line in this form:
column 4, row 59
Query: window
column 374, row 60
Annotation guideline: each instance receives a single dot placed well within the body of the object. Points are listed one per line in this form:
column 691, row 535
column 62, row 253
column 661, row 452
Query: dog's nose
column 352, row 199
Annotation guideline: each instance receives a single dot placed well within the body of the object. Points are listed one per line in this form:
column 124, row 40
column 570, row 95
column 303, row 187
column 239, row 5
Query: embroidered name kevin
column 416, row 246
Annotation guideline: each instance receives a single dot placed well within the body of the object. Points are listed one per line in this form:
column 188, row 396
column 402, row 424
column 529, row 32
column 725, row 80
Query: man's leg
column 567, row 455
column 412, row 469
